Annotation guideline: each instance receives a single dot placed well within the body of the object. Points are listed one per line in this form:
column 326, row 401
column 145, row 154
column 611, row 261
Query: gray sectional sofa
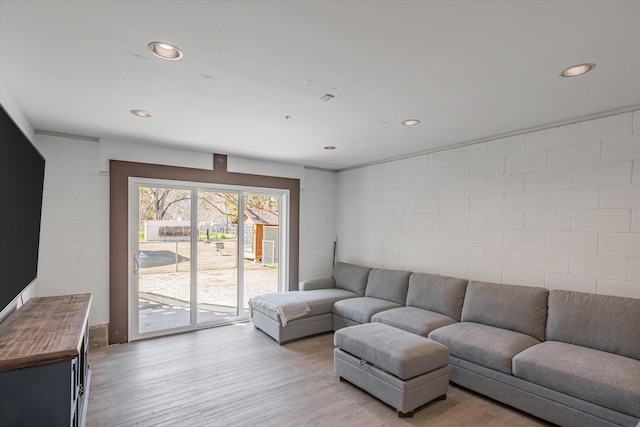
column 570, row 358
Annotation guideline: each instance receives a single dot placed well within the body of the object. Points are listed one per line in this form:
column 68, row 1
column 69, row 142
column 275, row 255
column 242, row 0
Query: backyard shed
column 258, row 220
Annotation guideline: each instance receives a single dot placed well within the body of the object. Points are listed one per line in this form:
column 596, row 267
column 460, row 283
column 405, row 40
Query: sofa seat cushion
column 598, row 377
column 361, row 309
column 413, row 319
column 320, row 301
column 487, row 346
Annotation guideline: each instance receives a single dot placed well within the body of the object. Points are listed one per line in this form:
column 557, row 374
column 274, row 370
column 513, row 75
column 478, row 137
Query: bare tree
column 164, row 203
column 156, row 203
column 227, row 203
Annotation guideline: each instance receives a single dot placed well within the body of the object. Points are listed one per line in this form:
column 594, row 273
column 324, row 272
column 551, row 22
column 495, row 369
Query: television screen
column 22, row 173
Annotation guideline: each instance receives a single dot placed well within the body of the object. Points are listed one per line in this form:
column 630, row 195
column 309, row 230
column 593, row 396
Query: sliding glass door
column 162, row 261
column 261, row 245
column 199, row 253
column 217, row 275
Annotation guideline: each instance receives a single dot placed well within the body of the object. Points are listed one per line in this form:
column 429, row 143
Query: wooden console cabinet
column 44, row 372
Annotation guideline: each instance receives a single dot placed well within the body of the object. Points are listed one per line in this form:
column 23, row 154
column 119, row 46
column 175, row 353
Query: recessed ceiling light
column 577, row 70
column 410, row 122
column 165, row 50
column 330, row 147
column 141, row 113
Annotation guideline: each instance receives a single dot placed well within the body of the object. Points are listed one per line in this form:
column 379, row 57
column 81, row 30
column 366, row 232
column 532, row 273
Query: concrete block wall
column 558, row 208
column 74, row 237
column 317, row 223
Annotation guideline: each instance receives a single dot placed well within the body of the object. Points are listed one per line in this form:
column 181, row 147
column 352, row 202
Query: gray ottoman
column 402, row 369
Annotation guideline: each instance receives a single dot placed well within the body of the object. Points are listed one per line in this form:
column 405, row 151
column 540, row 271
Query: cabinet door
column 38, row 396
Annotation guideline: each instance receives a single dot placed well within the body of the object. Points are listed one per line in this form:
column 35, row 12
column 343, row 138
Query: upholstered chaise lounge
column 312, row 305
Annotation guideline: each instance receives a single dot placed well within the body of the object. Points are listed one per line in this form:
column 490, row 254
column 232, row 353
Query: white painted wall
column 558, row 208
column 146, row 153
column 317, row 223
column 74, row 237
column 74, row 249
column 260, row 167
column 13, row 109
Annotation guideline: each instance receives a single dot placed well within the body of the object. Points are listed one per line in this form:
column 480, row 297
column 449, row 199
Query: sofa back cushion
column 601, row 322
column 390, row 285
column 350, row 277
column 433, row 292
column 518, row 308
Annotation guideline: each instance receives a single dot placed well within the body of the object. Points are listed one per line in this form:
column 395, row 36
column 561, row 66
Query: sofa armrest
column 310, row 285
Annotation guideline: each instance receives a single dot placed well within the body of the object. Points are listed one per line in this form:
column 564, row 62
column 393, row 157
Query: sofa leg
column 405, row 414
column 443, row 397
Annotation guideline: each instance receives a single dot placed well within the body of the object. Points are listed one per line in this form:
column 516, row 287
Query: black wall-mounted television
column 22, row 178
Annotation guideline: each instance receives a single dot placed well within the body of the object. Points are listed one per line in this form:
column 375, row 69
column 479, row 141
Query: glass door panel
column 261, row 245
column 163, row 259
column 217, row 272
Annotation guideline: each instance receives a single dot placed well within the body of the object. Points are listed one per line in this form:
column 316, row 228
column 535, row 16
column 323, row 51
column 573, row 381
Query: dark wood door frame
column 119, row 174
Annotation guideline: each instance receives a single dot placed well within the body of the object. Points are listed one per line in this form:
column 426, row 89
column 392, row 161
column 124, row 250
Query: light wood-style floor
column 238, row 376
